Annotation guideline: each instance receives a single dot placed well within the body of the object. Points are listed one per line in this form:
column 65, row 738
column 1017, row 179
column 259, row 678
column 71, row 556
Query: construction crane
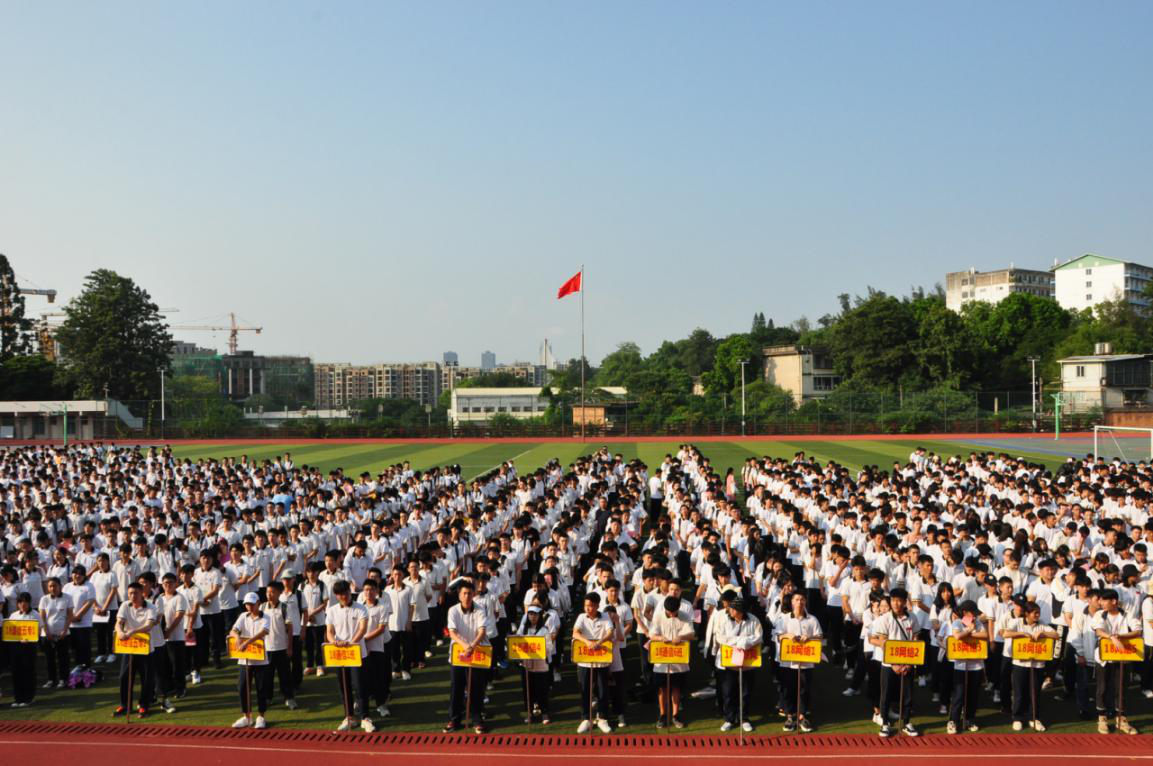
column 233, row 330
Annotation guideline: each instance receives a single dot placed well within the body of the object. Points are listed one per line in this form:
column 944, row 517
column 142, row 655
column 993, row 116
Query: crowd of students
column 212, row 559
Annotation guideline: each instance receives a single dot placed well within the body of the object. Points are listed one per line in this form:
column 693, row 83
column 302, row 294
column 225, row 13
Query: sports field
column 421, row 705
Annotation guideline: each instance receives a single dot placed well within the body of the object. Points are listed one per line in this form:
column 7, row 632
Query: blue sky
column 385, row 181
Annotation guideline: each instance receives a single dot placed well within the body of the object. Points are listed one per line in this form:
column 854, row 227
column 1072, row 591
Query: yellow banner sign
column 665, row 653
column 958, row 650
column 527, row 647
column 808, row 651
column 904, row 653
column 137, row 643
column 21, row 630
column 254, row 651
column 601, row 654
column 1134, row 650
column 342, row 656
column 480, row 657
column 1033, row 649
column 752, row 657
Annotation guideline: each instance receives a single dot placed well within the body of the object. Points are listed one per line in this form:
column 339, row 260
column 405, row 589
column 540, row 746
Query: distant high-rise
column 450, row 357
column 547, row 360
column 488, row 361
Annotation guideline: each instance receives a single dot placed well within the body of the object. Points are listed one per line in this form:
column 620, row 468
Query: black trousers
column 539, row 685
column 297, row 661
column 56, row 658
column 314, row 639
column 892, row 695
column 962, row 681
column 132, row 667
column 162, row 672
column 377, row 677
column 103, row 632
column 354, row 691
column 1026, row 690
column 400, row 651
column 280, row 666
column 81, row 645
column 728, row 691
column 254, row 679
column 422, row 633
column 177, row 666
column 790, row 678
column 216, row 632
column 1108, row 686
column 22, row 656
column 459, row 687
column 599, row 678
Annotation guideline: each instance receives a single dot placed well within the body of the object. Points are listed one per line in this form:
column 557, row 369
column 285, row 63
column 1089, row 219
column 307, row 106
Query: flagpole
column 584, row 412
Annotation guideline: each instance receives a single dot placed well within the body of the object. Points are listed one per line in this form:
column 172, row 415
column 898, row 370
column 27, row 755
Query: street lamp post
column 1033, row 387
column 743, row 363
column 161, row 371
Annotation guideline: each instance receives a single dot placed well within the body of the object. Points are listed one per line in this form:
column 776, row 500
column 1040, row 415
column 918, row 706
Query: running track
column 33, row 744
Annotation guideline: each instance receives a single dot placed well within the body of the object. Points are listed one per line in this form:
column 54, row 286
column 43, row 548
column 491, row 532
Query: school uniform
column 258, row 671
column 377, row 673
column 744, row 635
column 170, row 677
column 400, row 647
column 967, row 675
column 280, row 626
column 55, row 642
column 1109, row 673
column 797, row 677
column 22, row 656
column 468, row 625
column 1026, row 675
column 536, row 678
column 892, row 684
column 344, row 622
column 80, row 632
column 594, row 679
column 132, row 619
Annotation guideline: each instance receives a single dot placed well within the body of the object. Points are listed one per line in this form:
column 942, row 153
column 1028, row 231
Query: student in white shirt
column 468, row 627
column 279, row 644
column 103, row 582
column 56, row 617
column 377, row 674
column 134, row 616
column 895, row 625
column 738, row 630
column 1111, row 624
column 252, row 626
column 592, row 627
column 174, row 613
column 346, row 624
column 1026, row 675
column 797, row 677
column 967, row 674
column 83, row 597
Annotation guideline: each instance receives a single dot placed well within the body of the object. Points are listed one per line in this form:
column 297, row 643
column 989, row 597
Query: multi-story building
column 479, row 405
column 531, row 374
column 451, row 358
column 487, row 360
column 1084, row 282
column 963, row 287
column 806, row 373
column 340, row 384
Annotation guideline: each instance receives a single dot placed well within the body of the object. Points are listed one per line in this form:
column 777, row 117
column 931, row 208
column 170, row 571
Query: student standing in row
column 22, row 654
column 346, row 625
column 250, row 627
column 136, row 616
column 468, row 627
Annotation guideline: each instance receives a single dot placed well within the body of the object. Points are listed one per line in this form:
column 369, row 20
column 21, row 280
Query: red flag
column 571, row 286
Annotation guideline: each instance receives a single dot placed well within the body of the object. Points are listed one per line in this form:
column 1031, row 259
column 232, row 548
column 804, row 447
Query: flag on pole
column 573, row 285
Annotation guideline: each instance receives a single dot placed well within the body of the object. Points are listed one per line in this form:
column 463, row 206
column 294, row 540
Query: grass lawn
column 422, row 703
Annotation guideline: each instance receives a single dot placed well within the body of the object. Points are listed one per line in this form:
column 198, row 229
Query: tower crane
column 233, row 329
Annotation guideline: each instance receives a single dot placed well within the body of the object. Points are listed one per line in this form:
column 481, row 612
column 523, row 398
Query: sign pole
column 741, row 703
column 1033, row 691
column 669, row 698
column 592, row 681
column 1120, row 692
column 965, row 703
column 344, row 693
column 527, row 693
column 131, row 683
column 247, row 692
column 798, row 708
column 900, row 700
column 468, row 695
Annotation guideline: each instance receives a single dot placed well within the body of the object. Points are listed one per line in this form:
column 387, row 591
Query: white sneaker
column 320, row 671
column 878, row 720
column 196, row 680
column 922, row 681
column 604, row 725
column 367, row 725
column 345, row 725
column 1017, row 726
column 746, row 727
column 260, row 723
column 950, row 728
column 382, row 711
column 291, row 704
column 1038, row 726
column 726, row 726
column 1148, row 694
column 405, row 676
column 585, row 727
column 427, row 654
column 243, row 722
column 556, row 676
column 850, row 692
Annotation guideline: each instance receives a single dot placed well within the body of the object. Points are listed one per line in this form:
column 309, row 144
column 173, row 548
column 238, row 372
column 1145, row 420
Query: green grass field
column 421, row 704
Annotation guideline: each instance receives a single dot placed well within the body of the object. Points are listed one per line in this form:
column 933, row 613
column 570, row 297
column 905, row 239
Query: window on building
column 1088, row 272
column 1088, row 284
column 1080, row 371
column 1089, row 297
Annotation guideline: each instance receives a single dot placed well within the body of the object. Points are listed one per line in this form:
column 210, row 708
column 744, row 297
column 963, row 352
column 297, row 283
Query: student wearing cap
column 252, row 626
column 738, row 630
column 670, row 625
column 278, row 645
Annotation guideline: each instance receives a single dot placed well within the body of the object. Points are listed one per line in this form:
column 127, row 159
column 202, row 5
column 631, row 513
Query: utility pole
column 743, row 363
column 1033, row 388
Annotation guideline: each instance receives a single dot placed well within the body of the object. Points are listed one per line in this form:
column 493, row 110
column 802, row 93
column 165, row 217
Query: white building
column 963, row 287
column 1084, row 282
column 478, row 405
column 1105, row 380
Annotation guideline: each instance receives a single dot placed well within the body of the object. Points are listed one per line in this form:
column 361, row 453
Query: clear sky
column 377, row 181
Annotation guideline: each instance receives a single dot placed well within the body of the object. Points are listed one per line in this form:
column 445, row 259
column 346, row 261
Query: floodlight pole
column 743, row 363
column 161, row 371
column 1033, row 379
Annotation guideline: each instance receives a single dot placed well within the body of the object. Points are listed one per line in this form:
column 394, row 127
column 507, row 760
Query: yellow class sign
column 968, row 649
column 1134, row 650
column 21, row 630
column 600, row 654
column 1033, row 649
column 479, row 657
column 904, row 653
column 526, row 647
column 752, row 657
column 667, row 653
column 807, row 651
column 254, row 651
column 342, row 656
column 137, row 643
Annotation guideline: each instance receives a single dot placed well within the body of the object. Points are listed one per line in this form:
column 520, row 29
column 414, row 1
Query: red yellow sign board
column 962, row 650
column 1033, row 649
column 526, row 647
column 137, row 643
column 904, row 653
column 1134, row 650
column 602, row 654
column 666, row 653
column 752, row 657
column 254, row 651
column 481, row 657
column 342, row 656
column 808, row 652
column 21, row 630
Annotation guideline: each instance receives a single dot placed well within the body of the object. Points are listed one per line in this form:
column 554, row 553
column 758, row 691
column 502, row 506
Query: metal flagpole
column 584, row 412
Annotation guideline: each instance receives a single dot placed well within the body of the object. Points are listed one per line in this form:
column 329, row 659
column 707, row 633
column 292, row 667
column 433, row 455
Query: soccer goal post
column 1131, row 444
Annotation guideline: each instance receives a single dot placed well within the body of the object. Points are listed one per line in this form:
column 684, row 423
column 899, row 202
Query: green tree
column 618, row 367
column 15, row 328
column 114, row 336
column 725, row 376
column 872, row 342
column 31, row 378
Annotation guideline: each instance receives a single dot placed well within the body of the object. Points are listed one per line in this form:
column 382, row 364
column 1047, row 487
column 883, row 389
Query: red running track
column 32, row 744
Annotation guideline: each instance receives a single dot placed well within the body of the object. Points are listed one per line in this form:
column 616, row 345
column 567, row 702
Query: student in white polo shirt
column 56, row 617
column 279, row 643
column 252, row 626
column 377, row 674
column 347, row 623
column 468, row 627
column 135, row 615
